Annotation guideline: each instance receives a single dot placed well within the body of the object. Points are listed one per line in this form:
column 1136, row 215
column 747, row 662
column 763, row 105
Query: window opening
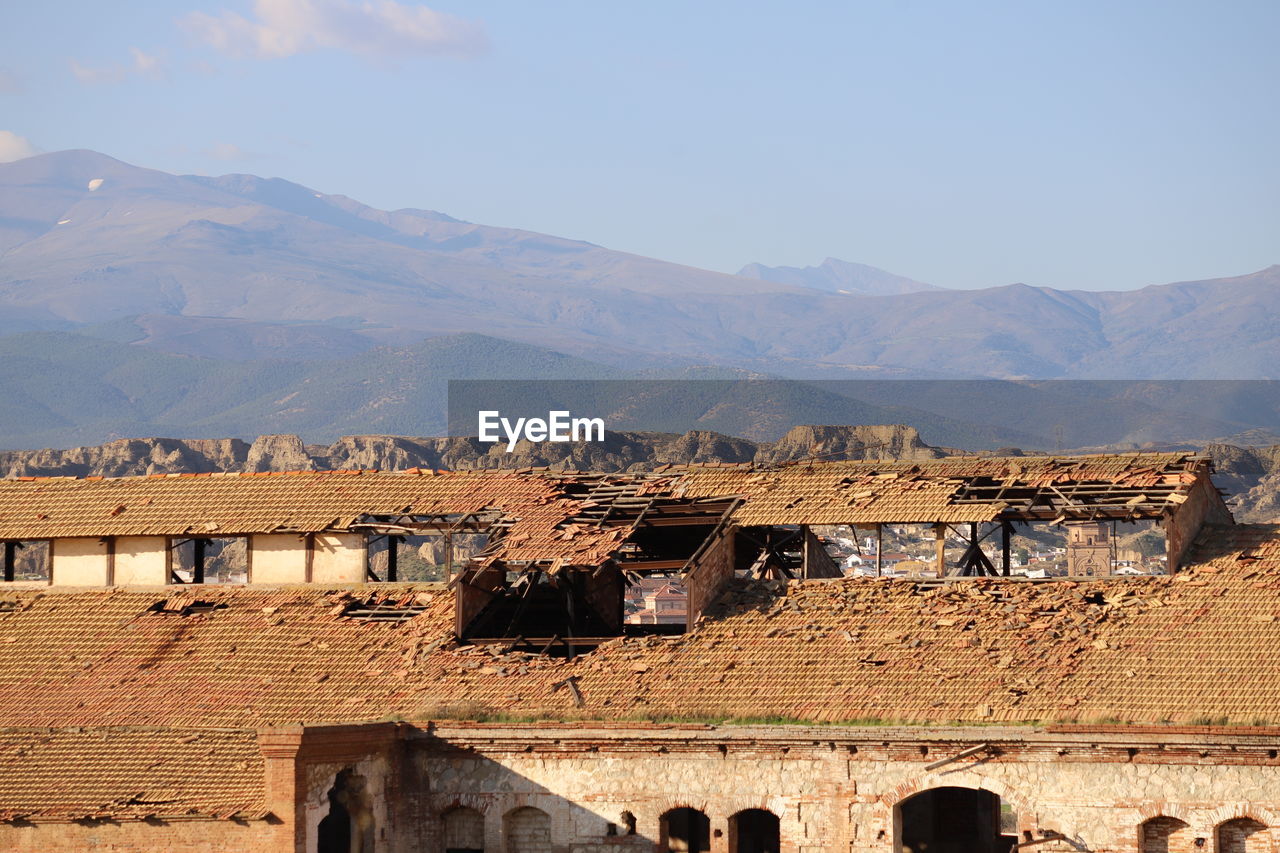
column 348, row 826
column 952, row 818
column 429, row 557
column 754, row 831
column 206, row 559
column 26, row 560
column 685, row 830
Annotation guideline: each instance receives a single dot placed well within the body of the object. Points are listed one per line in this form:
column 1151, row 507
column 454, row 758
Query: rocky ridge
column 620, row 451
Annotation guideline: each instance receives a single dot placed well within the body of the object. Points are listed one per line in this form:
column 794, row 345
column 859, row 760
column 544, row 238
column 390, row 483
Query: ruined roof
column 582, row 519
column 77, row 774
column 952, row 490
column 535, row 511
column 227, row 504
column 1195, row 646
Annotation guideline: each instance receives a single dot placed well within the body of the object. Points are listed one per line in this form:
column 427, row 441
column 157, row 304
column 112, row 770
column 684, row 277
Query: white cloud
column 371, row 28
column 142, row 63
column 228, row 151
column 14, row 147
column 147, row 64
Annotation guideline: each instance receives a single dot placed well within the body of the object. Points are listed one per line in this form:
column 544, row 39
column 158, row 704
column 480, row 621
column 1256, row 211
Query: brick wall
column 834, row 790
column 527, row 830
column 713, row 568
column 566, row 788
column 178, row 836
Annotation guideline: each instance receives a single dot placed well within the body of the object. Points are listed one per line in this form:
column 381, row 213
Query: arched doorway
column 1243, row 835
column 685, row 831
column 753, row 831
column 951, row 820
column 1165, row 835
column 348, row 825
column 528, row 830
column 463, row 830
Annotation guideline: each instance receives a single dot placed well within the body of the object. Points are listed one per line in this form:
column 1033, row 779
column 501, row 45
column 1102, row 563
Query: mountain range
column 839, row 276
column 133, row 302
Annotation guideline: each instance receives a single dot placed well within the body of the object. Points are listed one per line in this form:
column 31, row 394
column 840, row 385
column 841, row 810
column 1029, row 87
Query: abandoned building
column 254, row 662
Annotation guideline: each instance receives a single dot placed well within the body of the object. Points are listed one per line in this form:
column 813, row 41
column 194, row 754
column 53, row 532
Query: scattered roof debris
column 1170, row 648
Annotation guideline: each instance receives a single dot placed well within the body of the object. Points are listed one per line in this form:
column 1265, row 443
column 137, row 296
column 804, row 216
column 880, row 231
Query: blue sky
column 1091, row 145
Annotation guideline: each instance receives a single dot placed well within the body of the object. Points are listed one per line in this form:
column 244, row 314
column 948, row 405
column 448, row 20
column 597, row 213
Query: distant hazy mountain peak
column 836, row 276
column 431, row 215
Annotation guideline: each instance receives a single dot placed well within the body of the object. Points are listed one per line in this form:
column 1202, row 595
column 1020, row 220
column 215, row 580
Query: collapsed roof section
column 957, row 490
column 563, row 547
column 552, row 518
column 1193, row 646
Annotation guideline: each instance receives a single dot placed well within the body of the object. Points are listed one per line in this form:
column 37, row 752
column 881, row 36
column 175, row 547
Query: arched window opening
column 951, row 820
column 463, row 830
column 685, row 831
column 348, row 827
column 527, row 830
column 754, row 831
column 1243, row 835
column 1166, row 835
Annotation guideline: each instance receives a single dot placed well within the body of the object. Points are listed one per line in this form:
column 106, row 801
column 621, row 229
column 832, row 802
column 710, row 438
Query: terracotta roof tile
column 1197, row 645
column 807, row 493
column 129, row 773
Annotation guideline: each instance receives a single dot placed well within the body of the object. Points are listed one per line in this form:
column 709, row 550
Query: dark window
column 950, row 818
column 753, row 831
column 685, row 831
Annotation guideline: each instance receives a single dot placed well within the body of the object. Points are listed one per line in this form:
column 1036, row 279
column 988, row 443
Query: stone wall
column 838, row 789
column 578, row 788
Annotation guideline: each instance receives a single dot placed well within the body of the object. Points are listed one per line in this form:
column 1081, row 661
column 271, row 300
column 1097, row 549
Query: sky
column 1080, row 145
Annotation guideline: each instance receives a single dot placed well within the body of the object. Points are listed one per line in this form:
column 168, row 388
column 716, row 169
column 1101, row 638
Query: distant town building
column 1089, row 549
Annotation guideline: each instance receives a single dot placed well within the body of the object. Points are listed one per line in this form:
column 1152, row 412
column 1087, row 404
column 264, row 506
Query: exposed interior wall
column 141, row 561
column 363, row 797
column 82, row 561
column 473, row 594
column 279, row 558
column 1204, row 505
column 338, row 558
column 713, row 568
column 604, row 592
column 817, row 562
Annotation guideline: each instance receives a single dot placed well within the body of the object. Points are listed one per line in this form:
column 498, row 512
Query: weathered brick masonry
column 1127, row 715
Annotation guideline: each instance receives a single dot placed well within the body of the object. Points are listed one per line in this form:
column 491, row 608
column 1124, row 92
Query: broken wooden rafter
column 959, row 756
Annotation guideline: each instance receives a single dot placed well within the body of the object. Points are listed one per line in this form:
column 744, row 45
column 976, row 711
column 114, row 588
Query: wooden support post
column 1006, row 529
column 197, row 560
column 940, row 547
column 448, row 556
column 879, row 548
column 393, row 557
column 971, row 562
column 10, row 560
